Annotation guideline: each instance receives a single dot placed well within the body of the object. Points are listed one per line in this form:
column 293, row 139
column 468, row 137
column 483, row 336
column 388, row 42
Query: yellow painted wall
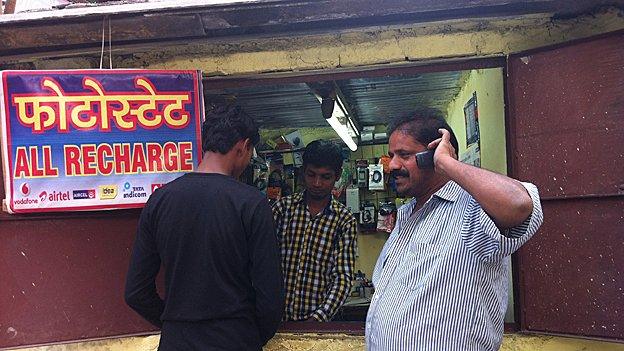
column 335, row 342
column 488, row 83
column 369, row 248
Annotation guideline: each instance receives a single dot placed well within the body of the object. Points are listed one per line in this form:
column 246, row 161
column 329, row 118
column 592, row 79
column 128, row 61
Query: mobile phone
column 425, row 159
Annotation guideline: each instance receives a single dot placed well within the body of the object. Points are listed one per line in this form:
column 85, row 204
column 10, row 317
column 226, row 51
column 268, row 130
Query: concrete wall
column 441, row 40
column 422, row 42
column 334, row 342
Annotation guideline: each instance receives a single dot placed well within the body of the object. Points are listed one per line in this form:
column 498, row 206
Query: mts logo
column 107, row 192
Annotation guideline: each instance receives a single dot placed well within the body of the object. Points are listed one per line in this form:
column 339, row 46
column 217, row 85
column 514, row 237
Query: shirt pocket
column 417, row 267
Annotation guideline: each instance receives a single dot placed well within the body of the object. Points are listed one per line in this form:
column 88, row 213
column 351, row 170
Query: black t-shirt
column 223, row 281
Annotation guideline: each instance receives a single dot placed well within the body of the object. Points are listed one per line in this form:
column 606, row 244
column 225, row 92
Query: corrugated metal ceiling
column 372, row 100
column 276, row 106
column 375, row 100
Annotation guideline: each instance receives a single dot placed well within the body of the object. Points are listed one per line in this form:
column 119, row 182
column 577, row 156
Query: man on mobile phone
column 441, row 278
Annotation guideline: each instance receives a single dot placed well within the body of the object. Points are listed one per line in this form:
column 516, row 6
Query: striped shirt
column 318, row 255
column 441, row 278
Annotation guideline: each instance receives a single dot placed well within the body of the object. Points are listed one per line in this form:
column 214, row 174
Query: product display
column 387, row 217
column 353, row 200
column 367, row 215
column 375, row 177
column 362, row 173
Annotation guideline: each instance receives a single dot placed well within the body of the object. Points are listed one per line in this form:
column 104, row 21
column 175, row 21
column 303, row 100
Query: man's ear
column 241, row 146
column 248, row 144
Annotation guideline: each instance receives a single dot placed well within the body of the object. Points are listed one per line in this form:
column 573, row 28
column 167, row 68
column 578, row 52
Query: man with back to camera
column 317, row 237
column 215, row 238
column 441, row 278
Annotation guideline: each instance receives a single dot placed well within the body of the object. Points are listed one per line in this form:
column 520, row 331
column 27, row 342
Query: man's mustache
column 399, row 173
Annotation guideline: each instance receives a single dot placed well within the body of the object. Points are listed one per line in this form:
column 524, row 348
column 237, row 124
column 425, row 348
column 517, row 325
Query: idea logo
column 107, row 192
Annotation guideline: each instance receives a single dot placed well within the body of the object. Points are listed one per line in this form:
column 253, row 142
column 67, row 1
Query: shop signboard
column 96, row 139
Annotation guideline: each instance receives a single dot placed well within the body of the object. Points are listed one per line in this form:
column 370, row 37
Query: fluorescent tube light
column 333, row 112
column 342, row 132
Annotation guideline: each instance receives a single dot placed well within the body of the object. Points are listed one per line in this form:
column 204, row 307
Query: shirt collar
column 332, row 207
column 449, row 191
column 299, row 197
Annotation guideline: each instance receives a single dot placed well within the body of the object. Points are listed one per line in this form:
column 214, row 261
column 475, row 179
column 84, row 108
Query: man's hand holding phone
column 442, row 150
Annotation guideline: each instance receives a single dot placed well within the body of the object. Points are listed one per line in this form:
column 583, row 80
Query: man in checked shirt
column 317, row 238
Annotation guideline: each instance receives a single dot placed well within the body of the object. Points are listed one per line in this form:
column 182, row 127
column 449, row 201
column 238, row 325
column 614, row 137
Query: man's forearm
column 335, row 299
column 504, row 199
column 148, row 305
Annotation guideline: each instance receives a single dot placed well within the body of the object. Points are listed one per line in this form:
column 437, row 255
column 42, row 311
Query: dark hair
column 423, row 126
column 323, row 153
column 225, row 126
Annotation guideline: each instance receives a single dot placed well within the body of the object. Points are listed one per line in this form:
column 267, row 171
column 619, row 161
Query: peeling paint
column 418, row 42
column 11, row 332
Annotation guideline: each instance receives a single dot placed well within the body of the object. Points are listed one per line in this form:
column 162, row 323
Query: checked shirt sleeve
column 342, row 273
column 278, row 210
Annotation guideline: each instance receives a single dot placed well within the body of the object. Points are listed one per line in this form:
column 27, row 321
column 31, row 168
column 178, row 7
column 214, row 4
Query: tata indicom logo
column 131, row 191
column 107, row 192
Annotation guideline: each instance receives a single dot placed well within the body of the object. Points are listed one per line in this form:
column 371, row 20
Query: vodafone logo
column 156, row 186
column 25, row 189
